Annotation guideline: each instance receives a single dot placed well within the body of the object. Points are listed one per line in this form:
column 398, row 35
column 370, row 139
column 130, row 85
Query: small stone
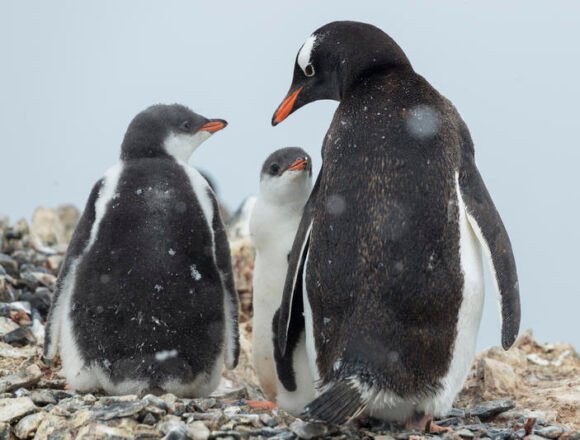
column 50, row 425
column 43, row 397
column 120, row 409
column 28, row 425
column 173, row 428
column 54, row 262
column 308, row 430
column 9, row 264
column 456, row 412
column 465, row 433
column 39, row 300
column 7, row 325
column 226, row 435
column 384, row 437
column 268, row 420
column 89, row 399
column 201, row 405
column 499, row 378
column 248, row 419
column 5, row 431
column 231, row 411
column 20, row 337
column 14, row 409
column 145, row 431
column 21, row 392
column 7, row 351
column 149, row 419
column 98, row 431
column 487, row 410
column 198, row 431
column 150, row 399
column 109, row 400
column 534, row 437
column 29, row 376
column 550, row 432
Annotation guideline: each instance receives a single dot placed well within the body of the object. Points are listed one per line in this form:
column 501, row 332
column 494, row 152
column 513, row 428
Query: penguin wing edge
column 291, row 306
column 76, row 247
column 493, row 237
column 231, row 303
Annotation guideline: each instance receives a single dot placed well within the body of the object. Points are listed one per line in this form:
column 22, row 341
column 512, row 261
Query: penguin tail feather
column 337, row 405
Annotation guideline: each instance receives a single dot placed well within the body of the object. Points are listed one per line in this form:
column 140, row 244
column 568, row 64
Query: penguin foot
column 436, row 429
column 261, row 404
column 425, row 423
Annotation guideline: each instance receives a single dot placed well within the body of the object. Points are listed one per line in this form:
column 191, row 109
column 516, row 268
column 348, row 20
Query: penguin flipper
column 76, row 247
column 493, row 237
column 224, row 264
column 290, row 312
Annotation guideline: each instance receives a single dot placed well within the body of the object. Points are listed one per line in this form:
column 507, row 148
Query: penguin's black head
column 286, row 174
column 163, row 130
column 334, row 58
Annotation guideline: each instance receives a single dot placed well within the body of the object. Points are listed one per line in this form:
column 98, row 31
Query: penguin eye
column 186, row 126
column 309, row 70
column 274, row 168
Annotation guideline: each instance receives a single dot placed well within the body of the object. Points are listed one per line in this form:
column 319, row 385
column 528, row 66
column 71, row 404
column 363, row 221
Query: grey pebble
column 551, row 432
column 465, row 433
column 487, row 410
column 120, row 409
column 25, row 378
column 308, row 430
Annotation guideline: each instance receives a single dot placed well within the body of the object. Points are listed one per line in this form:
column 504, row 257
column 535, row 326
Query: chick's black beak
column 286, row 107
column 213, row 125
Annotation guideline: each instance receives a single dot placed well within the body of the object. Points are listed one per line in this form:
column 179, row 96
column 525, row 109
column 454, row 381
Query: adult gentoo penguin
column 386, row 263
column 285, row 184
column 145, row 301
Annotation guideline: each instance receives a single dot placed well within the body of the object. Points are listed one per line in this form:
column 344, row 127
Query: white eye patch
column 305, row 54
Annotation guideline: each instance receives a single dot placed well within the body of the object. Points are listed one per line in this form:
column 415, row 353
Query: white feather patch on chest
column 106, row 194
column 200, row 188
column 181, row 146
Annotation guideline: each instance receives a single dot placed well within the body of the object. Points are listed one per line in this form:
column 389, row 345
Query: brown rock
column 499, row 379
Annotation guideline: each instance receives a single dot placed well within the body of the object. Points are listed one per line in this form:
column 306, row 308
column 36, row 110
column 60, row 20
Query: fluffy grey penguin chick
column 285, row 184
column 145, row 301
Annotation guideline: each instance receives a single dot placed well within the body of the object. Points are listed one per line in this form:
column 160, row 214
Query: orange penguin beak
column 213, row 125
column 299, row 165
column 286, row 107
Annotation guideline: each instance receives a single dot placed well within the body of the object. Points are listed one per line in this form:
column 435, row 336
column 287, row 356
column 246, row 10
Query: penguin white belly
column 294, row 401
column 269, row 276
column 389, row 406
column 468, row 319
column 274, row 235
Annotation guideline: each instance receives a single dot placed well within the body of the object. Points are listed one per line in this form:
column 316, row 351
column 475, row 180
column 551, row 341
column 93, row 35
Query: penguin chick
column 285, row 184
column 145, row 301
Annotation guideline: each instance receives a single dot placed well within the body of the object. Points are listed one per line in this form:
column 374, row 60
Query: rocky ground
column 531, row 391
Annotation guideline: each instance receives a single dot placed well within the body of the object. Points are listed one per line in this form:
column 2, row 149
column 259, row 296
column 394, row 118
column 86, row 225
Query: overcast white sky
column 73, row 74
